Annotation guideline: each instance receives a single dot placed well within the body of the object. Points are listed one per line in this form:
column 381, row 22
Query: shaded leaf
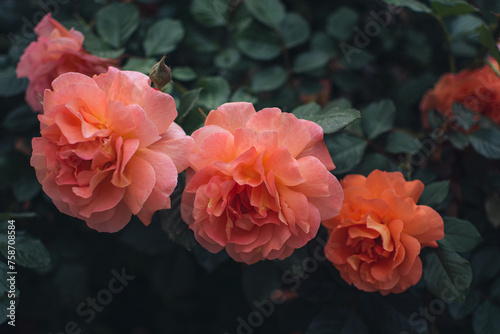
column 188, row 101
column 486, row 142
column 269, row 12
column 258, row 43
column 310, row 60
column 210, row 13
column 268, row 79
column 163, row 36
column 434, row 193
column 452, row 7
column 30, row 252
column 346, row 151
column 447, row 275
column 401, row 142
column 117, row 22
column 414, row 5
column 215, row 92
column 459, row 235
column 378, row 118
column 294, row 30
column 340, row 23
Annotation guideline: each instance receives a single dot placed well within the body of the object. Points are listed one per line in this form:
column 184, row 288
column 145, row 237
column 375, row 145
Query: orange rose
column 56, row 51
column 478, row 90
column 376, row 239
column 259, row 183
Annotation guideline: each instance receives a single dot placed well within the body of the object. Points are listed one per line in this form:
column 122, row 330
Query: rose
column 109, row 148
column 478, row 90
column 259, row 184
column 56, row 51
column 376, row 239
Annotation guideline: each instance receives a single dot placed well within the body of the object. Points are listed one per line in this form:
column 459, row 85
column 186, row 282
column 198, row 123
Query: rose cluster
column 258, row 183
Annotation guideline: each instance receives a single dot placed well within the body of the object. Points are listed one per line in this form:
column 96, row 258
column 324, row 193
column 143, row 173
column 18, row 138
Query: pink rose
column 109, row 148
column 259, row 184
column 56, row 51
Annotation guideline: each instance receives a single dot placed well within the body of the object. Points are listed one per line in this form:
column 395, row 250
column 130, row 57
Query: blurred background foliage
column 322, row 60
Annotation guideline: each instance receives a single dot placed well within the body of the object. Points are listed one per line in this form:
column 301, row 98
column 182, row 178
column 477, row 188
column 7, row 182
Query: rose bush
column 376, row 239
column 259, row 184
column 109, row 148
column 56, row 51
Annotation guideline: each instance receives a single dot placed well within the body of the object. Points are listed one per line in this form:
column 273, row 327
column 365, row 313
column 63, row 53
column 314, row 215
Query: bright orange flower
column 376, row 239
column 478, row 90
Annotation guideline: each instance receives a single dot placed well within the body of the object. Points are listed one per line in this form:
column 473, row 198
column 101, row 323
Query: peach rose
column 376, row 239
column 109, row 148
column 56, row 51
column 478, row 90
column 259, row 183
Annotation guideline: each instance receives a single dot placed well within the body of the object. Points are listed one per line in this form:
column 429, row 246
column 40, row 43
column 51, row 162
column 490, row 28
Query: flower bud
column 160, row 73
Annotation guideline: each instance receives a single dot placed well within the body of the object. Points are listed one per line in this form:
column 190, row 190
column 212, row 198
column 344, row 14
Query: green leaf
column 340, row 23
column 227, row 58
column 486, row 319
column 20, row 119
column 117, row 22
column 183, row 73
column 401, row 142
column 210, row 13
column 188, row 101
column 487, row 40
column 307, row 110
column 242, row 94
column 30, row 252
column 322, row 42
column 458, row 140
column 216, row 92
column 452, row 7
column 358, row 60
column 142, row 65
column 309, row 61
column 459, row 235
column 259, row 280
column 447, row 275
column 465, row 25
column 465, row 117
column 269, row 12
column 294, row 30
column 414, row 5
column 268, row 79
column 10, row 85
column 331, row 118
column 346, row 151
column 486, row 142
column 99, row 47
column 378, row 118
column 163, row 37
column 434, row 193
column 198, row 42
column 258, row 43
